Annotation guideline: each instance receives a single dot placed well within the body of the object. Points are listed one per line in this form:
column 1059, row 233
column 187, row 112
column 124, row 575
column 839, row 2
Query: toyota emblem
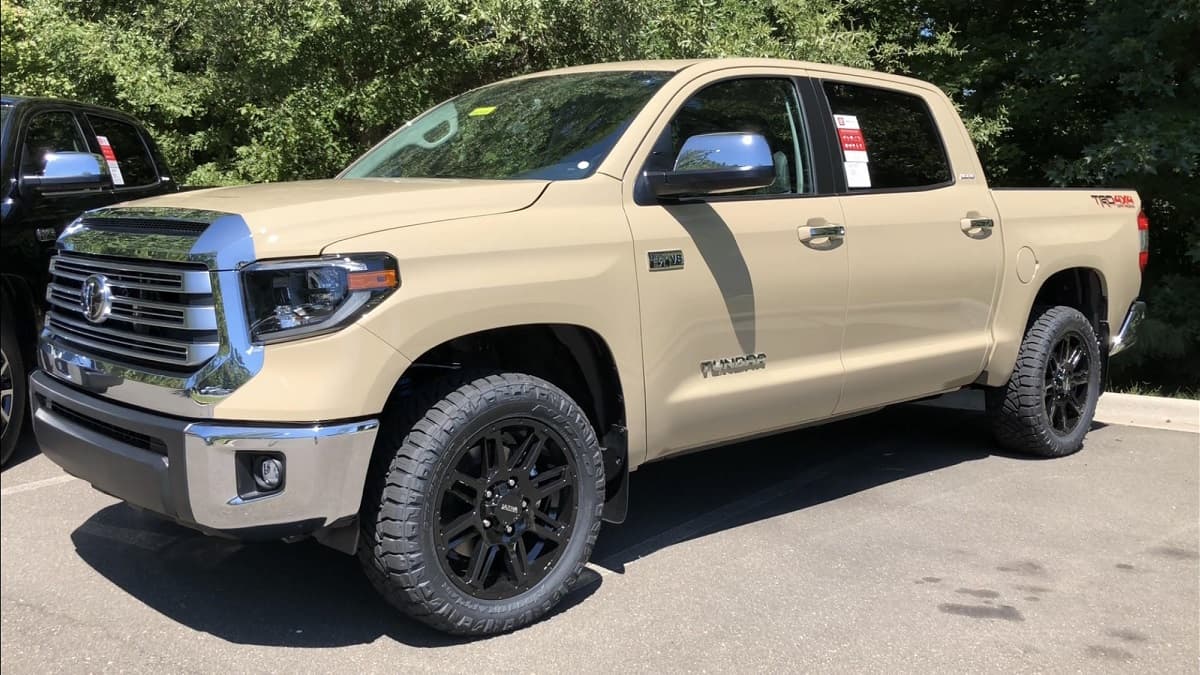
column 95, row 299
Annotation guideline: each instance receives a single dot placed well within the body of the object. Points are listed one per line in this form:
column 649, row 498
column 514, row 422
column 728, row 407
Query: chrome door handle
column 977, row 228
column 831, row 231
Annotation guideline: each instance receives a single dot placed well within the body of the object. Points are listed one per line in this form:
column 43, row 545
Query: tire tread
column 390, row 548
column 1017, row 409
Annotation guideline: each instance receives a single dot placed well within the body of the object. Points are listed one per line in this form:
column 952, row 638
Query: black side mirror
column 716, row 163
column 69, row 171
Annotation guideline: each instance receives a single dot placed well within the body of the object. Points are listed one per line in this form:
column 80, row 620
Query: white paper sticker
column 858, row 175
column 856, row 156
column 111, row 157
column 846, row 121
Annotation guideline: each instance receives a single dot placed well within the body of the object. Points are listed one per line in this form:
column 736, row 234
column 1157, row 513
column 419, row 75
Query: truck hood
column 300, row 218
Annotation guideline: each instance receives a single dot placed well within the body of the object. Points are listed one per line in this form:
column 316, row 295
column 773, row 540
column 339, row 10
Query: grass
column 1143, row 389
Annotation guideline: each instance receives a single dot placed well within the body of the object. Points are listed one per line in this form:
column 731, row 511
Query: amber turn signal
column 371, row 281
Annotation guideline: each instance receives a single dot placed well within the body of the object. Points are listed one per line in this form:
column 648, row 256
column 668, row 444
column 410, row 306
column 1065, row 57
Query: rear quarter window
column 128, row 149
column 903, row 147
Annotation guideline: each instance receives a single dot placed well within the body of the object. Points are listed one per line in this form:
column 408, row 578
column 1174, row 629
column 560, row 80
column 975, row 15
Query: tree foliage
column 1054, row 92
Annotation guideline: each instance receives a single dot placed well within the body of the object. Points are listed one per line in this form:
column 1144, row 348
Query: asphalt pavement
column 896, row 542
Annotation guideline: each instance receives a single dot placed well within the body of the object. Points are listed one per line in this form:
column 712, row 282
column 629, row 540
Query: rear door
column 924, row 247
column 741, row 310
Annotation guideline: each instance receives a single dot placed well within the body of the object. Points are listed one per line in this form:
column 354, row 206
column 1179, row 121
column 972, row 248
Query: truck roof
column 9, row 99
column 705, row 65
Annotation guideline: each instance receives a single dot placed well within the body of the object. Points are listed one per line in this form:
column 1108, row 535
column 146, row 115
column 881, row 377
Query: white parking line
column 36, row 485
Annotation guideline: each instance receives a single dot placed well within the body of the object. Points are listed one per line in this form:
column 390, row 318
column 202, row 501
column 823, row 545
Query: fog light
column 268, row 473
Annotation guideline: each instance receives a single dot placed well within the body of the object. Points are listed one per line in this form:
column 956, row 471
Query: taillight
column 1144, row 238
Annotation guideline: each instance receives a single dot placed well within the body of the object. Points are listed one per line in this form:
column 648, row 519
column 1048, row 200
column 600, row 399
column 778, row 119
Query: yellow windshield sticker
column 480, row 112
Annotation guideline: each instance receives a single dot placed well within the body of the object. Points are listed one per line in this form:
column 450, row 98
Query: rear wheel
column 12, row 390
column 489, row 508
column 1048, row 404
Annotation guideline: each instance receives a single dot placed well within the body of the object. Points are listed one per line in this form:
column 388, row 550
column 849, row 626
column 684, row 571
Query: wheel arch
column 575, row 358
column 20, row 307
column 1080, row 286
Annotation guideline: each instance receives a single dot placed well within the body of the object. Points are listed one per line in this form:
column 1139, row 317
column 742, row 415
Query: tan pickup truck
column 449, row 358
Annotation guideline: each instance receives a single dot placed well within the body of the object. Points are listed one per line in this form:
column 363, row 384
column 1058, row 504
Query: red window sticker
column 106, row 149
column 114, row 169
column 852, row 139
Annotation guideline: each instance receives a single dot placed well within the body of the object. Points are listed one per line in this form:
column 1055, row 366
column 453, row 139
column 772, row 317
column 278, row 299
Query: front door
column 43, row 216
column 741, row 308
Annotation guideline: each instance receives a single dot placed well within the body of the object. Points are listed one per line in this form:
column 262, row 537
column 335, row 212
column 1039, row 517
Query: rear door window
column 54, row 131
column 888, row 138
column 128, row 156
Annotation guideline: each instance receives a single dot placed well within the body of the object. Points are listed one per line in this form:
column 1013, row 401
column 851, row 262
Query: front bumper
column 1128, row 334
column 189, row 471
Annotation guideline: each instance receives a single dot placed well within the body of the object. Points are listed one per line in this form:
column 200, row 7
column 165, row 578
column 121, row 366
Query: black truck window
column 134, row 163
column 54, row 131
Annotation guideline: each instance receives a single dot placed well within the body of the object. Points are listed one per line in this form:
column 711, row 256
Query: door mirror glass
column 716, row 163
column 66, row 171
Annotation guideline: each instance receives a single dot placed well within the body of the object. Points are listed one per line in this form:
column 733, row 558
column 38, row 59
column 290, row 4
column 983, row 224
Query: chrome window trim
column 224, row 246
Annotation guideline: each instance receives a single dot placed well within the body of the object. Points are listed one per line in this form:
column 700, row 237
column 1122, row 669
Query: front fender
column 566, row 260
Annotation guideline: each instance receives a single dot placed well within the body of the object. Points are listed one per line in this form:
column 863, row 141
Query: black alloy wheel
column 8, row 393
column 13, row 389
column 507, row 507
column 1068, row 376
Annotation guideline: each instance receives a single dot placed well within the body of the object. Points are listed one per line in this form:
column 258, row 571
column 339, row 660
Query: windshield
column 555, row 127
column 4, row 113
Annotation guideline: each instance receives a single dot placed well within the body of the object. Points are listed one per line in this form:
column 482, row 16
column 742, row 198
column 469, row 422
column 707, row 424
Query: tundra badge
column 735, row 364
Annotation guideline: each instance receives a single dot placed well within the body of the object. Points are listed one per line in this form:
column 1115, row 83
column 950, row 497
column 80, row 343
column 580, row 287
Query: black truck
column 58, row 159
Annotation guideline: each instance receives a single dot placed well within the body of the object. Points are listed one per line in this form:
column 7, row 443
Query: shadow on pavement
column 27, row 448
column 701, row 494
column 305, row 595
column 270, row 594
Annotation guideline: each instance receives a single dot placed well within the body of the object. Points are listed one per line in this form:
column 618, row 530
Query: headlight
column 291, row 299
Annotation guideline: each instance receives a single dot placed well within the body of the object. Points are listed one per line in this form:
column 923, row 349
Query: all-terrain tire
column 15, row 386
column 398, row 547
column 1020, row 412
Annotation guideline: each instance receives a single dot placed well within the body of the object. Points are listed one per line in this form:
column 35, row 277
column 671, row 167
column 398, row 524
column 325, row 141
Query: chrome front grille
column 161, row 314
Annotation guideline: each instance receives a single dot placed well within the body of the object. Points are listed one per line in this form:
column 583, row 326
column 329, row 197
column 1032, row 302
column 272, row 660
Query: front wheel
column 12, row 390
column 1047, row 406
column 489, row 508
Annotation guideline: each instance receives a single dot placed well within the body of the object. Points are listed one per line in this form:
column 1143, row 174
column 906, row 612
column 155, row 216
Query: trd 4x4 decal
column 1122, row 201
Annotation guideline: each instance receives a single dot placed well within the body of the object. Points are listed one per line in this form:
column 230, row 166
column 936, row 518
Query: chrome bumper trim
column 189, row 470
column 1127, row 336
column 326, row 470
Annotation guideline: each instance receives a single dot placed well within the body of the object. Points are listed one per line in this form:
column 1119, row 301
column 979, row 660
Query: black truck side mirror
column 68, row 172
